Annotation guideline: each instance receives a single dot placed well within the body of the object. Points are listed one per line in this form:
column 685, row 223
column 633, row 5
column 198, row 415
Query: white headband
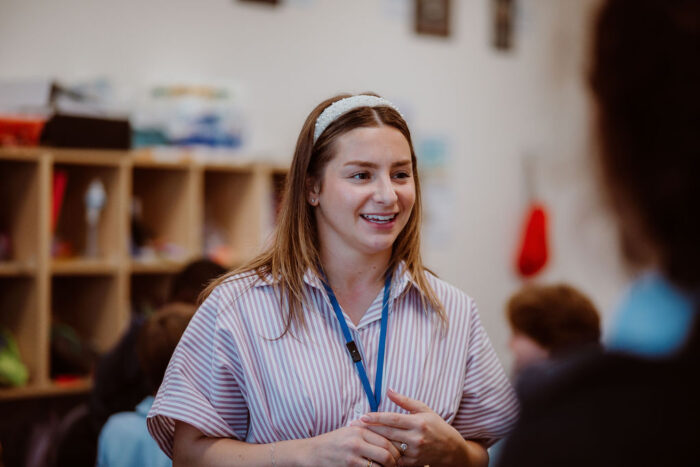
column 339, row 107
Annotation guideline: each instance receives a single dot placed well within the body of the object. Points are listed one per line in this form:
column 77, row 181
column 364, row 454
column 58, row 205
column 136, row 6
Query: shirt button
column 357, row 411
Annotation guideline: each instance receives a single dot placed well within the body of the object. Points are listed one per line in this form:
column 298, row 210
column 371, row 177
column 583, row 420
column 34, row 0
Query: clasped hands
column 377, row 437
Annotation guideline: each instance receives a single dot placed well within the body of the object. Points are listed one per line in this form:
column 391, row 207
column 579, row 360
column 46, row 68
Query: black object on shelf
column 63, row 130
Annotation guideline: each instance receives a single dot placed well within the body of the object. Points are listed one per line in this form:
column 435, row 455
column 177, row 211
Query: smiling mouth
column 378, row 219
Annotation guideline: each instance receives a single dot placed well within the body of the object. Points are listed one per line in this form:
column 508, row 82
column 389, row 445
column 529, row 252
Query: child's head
column 189, row 283
column 158, row 338
column 547, row 320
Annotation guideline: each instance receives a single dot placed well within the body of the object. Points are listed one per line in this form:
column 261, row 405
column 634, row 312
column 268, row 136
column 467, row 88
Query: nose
column 385, row 192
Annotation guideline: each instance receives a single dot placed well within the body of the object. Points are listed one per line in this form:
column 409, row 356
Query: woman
column 275, row 367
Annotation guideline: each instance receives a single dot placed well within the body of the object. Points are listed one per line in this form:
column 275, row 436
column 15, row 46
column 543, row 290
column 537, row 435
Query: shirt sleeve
column 201, row 385
column 489, row 406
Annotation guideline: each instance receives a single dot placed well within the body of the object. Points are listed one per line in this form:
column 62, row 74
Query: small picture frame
column 266, row 2
column 503, row 12
column 433, row 17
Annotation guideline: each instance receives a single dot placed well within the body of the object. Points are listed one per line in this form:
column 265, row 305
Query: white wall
column 490, row 107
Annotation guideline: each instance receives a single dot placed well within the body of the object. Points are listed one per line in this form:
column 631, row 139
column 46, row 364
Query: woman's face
column 366, row 193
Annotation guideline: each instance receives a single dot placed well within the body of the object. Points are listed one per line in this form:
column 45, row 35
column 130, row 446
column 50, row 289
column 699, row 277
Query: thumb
column 412, row 405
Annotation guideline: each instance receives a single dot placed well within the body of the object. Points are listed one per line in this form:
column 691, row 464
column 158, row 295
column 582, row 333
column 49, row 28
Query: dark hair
column 189, row 283
column 158, row 338
column 558, row 317
column 645, row 79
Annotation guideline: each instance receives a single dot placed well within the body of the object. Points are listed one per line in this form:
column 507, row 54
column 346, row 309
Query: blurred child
column 124, row 440
column 548, row 321
column 119, row 381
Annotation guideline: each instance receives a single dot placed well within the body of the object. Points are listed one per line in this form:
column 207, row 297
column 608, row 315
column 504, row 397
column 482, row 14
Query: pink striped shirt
column 230, row 378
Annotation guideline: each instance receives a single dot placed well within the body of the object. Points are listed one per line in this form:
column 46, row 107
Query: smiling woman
column 365, row 195
column 275, row 367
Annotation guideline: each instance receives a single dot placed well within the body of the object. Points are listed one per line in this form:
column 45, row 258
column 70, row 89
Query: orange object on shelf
column 20, row 130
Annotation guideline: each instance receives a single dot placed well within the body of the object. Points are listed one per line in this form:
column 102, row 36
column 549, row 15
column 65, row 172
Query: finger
column 397, row 420
column 381, row 442
column 405, row 402
column 390, row 433
column 408, row 460
column 378, row 455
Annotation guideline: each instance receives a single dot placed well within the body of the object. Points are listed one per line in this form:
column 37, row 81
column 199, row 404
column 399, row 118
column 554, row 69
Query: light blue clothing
column 654, row 319
column 125, row 441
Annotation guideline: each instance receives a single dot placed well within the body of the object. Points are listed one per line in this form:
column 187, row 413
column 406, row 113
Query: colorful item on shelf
column 216, row 247
column 182, row 115
column 95, row 199
column 20, row 130
column 12, row 371
column 60, row 180
column 62, row 249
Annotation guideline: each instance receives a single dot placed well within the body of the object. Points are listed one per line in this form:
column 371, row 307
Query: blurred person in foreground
column 637, row 404
column 124, row 439
column 549, row 322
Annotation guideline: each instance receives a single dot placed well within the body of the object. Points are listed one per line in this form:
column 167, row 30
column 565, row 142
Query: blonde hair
column 294, row 249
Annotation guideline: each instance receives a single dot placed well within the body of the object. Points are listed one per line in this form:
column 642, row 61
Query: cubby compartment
column 91, row 307
column 88, row 225
column 20, row 315
column 163, row 215
column 19, row 216
column 231, row 227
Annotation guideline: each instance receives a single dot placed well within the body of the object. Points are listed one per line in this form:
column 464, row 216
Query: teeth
column 376, row 218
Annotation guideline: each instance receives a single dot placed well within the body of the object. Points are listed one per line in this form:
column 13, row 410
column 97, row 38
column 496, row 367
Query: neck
column 348, row 272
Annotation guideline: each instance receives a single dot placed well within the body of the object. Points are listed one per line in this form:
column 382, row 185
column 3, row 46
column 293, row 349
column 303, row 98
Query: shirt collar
column 654, row 318
column 399, row 283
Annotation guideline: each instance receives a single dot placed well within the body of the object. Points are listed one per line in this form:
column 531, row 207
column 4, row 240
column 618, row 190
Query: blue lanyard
column 373, row 397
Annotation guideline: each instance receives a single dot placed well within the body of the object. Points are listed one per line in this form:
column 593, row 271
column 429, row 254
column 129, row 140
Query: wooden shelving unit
column 189, row 207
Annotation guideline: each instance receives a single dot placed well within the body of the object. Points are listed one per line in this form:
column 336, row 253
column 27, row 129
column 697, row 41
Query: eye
column 360, row 176
column 402, row 174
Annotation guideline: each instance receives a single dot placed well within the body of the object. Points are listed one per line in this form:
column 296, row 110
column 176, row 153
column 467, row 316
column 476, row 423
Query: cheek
column 407, row 196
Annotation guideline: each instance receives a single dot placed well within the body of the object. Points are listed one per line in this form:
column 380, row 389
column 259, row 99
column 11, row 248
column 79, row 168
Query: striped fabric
column 230, row 377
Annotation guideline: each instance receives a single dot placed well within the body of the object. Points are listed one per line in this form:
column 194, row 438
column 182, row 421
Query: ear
column 313, row 190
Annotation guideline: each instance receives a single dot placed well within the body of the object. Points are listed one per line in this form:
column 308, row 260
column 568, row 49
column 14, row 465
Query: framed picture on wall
column 433, row 17
column 268, row 2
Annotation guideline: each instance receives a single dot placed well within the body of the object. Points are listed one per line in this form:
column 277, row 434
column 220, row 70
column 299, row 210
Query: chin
column 377, row 248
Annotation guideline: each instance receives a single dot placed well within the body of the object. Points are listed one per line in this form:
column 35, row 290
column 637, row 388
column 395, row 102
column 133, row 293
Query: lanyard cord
column 373, row 397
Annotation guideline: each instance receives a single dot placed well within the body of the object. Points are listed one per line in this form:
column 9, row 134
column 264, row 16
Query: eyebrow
column 372, row 165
